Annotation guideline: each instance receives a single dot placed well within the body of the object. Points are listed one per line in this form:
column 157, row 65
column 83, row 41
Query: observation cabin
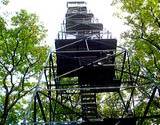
column 87, row 55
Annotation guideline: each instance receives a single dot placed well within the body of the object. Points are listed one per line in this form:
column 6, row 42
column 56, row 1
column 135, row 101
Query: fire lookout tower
column 88, row 57
column 84, row 66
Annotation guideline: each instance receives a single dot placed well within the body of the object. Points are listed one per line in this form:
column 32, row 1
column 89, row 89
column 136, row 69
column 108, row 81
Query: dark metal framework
column 63, row 100
column 86, row 73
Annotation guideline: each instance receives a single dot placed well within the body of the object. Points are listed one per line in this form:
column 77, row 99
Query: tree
column 21, row 59
column 142, row 38
column 143, row 35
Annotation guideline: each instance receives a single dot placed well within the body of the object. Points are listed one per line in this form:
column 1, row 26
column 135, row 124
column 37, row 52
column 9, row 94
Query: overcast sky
column 52, row 13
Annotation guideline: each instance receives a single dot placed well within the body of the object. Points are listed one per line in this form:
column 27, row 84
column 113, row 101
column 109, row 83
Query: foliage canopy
column 21, row 59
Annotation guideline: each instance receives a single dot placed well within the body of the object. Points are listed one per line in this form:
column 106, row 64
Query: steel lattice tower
column 84, row 66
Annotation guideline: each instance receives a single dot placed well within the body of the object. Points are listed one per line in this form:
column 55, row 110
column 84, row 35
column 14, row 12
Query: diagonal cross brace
column 148, row 105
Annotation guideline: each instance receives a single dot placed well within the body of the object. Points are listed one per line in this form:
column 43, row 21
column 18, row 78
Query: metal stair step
column 88, row 100
column 89, row 113
column 88, row 104
column 88, row 95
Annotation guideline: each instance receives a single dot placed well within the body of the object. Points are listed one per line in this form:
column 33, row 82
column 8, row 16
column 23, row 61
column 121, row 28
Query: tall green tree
column 142, row 39
column 21, row 59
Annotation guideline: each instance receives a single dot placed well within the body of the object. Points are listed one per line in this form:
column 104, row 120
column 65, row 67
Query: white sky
column 52, row 13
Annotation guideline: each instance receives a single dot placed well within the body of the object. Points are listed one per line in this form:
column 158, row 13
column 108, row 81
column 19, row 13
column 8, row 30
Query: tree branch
column 156, row 19
column 3, row 65
column 4, row 83
column 14, row 54
column 19, row 96
column 155, row 60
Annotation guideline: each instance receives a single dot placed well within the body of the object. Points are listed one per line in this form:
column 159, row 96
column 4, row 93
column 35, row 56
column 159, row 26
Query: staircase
column 88, row 105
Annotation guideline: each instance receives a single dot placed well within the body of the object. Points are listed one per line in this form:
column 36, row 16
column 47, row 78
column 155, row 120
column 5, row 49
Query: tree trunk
column 5, row 110
column 4, row 118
